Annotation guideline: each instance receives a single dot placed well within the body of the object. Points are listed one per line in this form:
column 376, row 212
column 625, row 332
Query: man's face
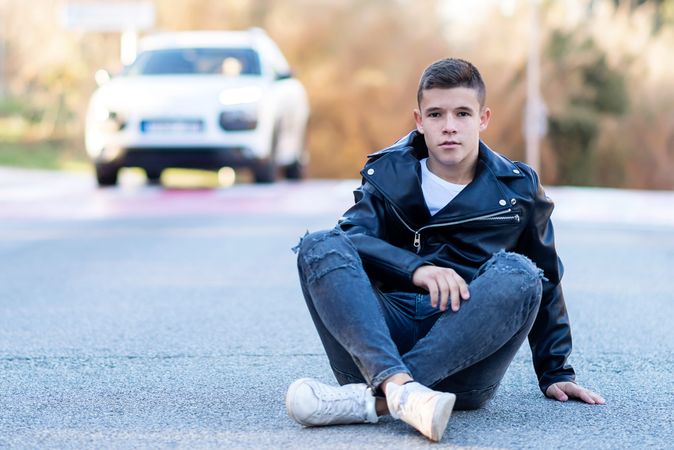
column 451, row 121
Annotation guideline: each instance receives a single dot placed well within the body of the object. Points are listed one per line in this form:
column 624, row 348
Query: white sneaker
column 311, row 403
column 425, row 409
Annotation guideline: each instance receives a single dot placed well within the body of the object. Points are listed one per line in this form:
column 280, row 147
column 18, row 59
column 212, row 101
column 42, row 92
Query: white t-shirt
column 437, row 192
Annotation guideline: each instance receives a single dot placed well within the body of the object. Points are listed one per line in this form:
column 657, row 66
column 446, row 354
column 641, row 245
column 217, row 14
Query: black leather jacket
column 504, row 207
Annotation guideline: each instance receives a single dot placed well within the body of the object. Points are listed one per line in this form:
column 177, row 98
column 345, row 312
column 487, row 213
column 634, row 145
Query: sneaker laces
column 412, row 406
column 350, row 400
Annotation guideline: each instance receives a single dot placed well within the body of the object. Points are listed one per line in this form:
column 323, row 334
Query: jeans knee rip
column 509, row 262
column 316, row 237
column 323, row 263
column 296, row 248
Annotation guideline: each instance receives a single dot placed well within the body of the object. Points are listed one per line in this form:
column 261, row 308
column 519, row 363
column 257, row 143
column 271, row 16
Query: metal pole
column 3, row 82
column 3, row 49
column 535, row 111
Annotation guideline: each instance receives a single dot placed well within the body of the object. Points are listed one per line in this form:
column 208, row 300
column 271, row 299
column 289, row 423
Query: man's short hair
column 451, row 73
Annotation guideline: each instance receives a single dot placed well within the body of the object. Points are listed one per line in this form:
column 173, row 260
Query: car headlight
column 240, row 96
column 108, row 120
column 238, row 120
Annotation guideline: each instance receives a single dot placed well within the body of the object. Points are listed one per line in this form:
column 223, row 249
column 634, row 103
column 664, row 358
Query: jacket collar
column 396, row 173
column 414, row 142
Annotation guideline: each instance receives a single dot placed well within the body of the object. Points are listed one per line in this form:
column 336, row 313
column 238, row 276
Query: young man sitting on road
column 429, row 284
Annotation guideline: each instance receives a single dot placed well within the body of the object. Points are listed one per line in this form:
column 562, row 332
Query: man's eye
column 434, row 114
column 464, row 114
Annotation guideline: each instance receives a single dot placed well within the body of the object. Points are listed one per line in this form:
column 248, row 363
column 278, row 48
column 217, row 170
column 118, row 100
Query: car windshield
column 197, row 61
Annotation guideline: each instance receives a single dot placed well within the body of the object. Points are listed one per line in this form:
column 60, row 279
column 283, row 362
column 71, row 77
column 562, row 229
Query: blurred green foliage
column 572, row 134
column 609, row 94
column 600, row 91
column 39, row 155
column 664, row 10
column 16, row 108
column 23, row 142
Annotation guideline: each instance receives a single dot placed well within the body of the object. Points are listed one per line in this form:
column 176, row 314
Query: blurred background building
column 606, row 76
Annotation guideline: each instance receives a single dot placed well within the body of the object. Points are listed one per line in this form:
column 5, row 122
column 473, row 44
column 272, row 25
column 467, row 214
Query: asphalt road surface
column 142, row 317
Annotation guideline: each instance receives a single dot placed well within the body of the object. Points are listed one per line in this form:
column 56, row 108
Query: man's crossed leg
column 397, row 353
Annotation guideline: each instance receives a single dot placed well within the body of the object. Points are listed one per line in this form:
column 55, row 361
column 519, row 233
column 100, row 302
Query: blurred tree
column 595, row 90
column 664, row 10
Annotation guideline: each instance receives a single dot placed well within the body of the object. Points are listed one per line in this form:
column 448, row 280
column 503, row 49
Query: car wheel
column 265, row 171
column 106, row 174
column 153, row 176
column 294, row 171
column 297, row 169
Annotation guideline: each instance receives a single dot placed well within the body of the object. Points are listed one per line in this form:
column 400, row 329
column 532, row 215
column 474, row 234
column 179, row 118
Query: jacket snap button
column 370, row 171
column 513, row 201
column 502, row 202
column 516, row 171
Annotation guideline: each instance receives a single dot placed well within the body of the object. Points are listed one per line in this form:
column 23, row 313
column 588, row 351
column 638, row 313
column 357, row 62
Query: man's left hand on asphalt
column 564, row 390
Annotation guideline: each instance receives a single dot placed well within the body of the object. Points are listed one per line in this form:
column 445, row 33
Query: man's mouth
column 449, row 143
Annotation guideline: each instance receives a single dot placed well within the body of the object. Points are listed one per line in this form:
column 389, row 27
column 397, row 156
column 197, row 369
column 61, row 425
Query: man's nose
column 449, row 126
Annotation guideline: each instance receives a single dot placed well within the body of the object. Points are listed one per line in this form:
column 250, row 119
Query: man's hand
column 443, row 285
column 565, row 390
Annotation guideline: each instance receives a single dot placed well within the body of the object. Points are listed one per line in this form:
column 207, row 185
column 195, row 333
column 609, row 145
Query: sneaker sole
column 443, row 410
column 290, row 396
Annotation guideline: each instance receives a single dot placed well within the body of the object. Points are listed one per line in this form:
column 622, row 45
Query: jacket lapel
column 397, row 176
column 482, row 195
column 485, row 193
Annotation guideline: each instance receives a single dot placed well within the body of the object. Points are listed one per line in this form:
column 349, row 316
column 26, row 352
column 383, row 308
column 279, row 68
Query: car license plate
column 172, row 126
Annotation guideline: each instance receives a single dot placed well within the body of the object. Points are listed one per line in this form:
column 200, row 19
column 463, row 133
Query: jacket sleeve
column 365, row 224
column 550, row 336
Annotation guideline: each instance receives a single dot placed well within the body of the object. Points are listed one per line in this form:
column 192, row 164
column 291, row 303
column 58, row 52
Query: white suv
column 200, row 100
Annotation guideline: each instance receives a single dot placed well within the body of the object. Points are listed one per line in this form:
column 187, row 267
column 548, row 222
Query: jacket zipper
column 497, row 216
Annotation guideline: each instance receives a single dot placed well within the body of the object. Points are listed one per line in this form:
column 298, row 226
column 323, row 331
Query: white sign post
column 535, row 116
column 127, row 18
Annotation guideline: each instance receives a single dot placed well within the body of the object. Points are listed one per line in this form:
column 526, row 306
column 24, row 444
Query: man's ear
column 484, row 118
column 417, row 120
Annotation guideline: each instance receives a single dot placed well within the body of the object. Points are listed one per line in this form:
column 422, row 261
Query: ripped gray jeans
column 369, row 335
